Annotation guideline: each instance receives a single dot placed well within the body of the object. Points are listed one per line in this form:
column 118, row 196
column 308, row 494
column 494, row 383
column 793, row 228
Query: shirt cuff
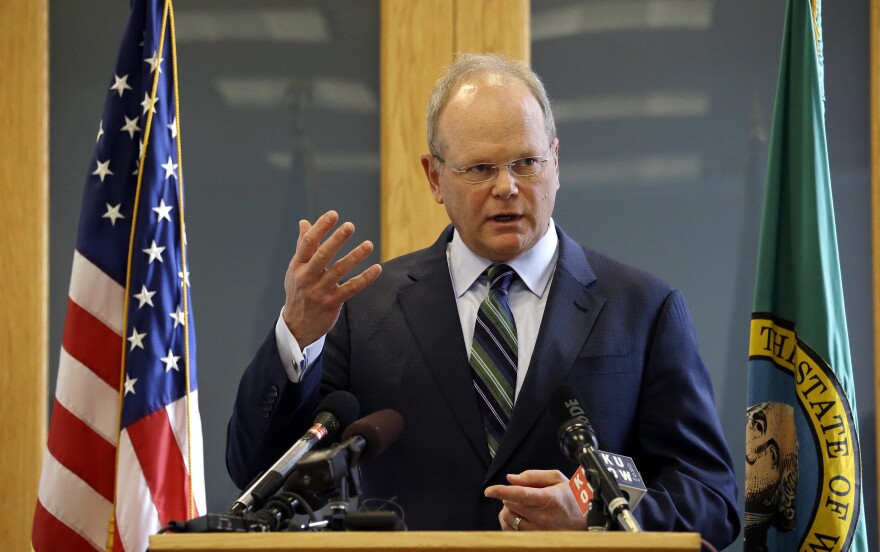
column 296, row 361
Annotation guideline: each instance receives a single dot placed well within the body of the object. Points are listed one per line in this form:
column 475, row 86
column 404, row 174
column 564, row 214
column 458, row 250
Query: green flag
column 803, row 467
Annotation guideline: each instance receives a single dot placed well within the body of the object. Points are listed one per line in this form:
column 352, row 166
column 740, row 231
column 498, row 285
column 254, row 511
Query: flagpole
column 184, row 284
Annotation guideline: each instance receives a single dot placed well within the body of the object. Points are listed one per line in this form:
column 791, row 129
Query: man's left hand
column 542, row 501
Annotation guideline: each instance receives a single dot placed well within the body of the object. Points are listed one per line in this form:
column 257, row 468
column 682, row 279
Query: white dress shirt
column 527, row 295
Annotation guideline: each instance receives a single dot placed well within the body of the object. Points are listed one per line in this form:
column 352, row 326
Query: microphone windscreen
column 566, row 403
column 379, row 430
column 341, row 404
column 571, row 413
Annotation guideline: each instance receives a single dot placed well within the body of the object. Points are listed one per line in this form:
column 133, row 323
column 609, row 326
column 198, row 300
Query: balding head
column 469, row 67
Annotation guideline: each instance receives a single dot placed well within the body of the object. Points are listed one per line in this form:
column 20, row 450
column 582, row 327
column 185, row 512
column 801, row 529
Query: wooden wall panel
column 416, row 43
column 23, row 261
column 500, row 26
column 418, row 39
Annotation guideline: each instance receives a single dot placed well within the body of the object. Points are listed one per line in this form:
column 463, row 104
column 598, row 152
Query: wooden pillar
column 418, row 39
column 23, row 260
column 493, row 26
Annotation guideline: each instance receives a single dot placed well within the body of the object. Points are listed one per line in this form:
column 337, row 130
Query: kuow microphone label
column 625, row 473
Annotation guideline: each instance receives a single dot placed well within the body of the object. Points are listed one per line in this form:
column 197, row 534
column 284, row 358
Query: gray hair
column 468, row 65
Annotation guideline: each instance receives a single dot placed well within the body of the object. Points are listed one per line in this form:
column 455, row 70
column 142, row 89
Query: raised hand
column 314, row 296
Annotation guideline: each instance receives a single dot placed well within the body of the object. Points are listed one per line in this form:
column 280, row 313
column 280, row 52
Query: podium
column 419, row 541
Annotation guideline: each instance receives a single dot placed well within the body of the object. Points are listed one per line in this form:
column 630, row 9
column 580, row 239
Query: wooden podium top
column 417, row 541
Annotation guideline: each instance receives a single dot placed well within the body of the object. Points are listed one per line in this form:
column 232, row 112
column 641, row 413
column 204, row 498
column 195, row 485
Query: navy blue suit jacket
column 620, row 336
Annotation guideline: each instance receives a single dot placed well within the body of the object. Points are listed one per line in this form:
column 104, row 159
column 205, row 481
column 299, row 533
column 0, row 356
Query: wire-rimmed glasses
column 484, row 172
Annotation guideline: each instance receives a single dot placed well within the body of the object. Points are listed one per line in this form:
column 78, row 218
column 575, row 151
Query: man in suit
column 406, row 340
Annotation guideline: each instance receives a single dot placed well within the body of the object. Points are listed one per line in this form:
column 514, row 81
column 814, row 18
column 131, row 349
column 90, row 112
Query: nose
column 504, row 185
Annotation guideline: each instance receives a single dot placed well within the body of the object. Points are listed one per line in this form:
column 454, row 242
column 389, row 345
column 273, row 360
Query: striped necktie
column 493, row 355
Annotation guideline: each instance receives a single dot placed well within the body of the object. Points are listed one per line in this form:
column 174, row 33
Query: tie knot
column 500, row 276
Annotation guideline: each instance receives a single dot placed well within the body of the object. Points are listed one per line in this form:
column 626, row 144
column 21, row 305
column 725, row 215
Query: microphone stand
column 597, row 514
column 334, row 473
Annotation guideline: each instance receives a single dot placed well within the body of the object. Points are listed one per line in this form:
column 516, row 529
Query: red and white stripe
column 76, row 493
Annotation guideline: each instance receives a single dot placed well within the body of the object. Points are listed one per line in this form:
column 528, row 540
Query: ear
column 433, row 176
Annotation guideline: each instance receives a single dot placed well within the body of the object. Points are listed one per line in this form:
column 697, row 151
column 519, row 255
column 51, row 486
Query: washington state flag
column 803, row 478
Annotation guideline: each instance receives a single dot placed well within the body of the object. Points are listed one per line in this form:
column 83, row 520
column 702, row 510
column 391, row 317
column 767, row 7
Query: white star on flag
column 162, row 210
column 155, row 62
column 184, row 277
column 149, row 105
column 131, row 126
column 100, row 130
column 173, row 128
column 178, row 317
column 155, row 252
column 170, row 361
column 129, row 384
column 113, row 213
column 136, row 339
column 103, row 169
column 145, row 297
column 120, row 85
column 170, row 168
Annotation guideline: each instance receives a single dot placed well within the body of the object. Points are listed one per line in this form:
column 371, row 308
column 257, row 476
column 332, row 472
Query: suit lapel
column 431, row 313
column 568, row 318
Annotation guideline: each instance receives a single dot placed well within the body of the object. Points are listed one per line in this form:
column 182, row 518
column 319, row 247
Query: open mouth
column 505, row 218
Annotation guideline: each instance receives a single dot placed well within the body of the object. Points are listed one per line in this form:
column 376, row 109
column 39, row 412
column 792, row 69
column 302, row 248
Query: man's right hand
column 314, row 296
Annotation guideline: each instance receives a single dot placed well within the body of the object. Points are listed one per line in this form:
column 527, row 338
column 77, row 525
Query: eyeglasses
column 484, row 172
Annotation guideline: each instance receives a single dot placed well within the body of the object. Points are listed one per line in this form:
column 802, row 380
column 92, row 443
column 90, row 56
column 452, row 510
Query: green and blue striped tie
column 493, row 355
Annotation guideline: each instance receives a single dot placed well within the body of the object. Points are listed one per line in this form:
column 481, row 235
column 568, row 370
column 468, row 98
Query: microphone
column 578, row 441
column 328, row 475
column 322, row 471
column 377, row 432
column 338, row 409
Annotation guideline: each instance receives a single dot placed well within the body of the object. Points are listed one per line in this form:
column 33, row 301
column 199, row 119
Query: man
column 466, row 460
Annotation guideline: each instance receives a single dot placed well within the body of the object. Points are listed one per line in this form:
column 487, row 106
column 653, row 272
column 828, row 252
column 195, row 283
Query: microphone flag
column 625, row 473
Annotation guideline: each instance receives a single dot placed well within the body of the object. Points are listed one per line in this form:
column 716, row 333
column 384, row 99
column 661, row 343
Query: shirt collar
column 534, row 267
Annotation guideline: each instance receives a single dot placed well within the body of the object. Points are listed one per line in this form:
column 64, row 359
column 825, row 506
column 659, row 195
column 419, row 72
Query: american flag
column 124, row 453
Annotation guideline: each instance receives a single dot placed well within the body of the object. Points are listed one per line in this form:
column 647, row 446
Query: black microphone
column 322, row 471
column 338, row 409
column 377, row 432
column 578, row 441
column 329, row 474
